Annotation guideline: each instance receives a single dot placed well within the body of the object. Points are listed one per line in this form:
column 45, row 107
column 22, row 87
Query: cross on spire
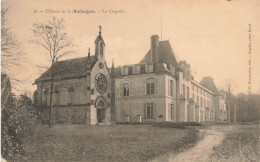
column 100, row 28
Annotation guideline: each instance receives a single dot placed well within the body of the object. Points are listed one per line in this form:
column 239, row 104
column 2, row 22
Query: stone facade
column 82, row 89
column 159, row 88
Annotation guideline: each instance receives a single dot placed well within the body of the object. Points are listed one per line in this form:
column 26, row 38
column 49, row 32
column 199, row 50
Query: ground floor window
column 149, row 111
column 171, row 112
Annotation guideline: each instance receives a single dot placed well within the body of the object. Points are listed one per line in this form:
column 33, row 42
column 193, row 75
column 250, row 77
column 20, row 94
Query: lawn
column 241, row 143
column 106, row 143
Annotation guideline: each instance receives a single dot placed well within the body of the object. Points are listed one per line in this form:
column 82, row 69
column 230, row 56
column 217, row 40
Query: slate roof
column 158, row 67
column 208, row 83
column 165, row 53
column 71, row 67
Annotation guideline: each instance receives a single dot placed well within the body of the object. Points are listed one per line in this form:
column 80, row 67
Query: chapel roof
column 71, row 67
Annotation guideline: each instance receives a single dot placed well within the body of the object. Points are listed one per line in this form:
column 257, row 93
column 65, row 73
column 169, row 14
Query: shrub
column 19, row 120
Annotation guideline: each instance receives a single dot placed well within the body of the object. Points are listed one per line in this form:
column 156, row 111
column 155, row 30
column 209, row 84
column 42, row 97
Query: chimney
column 154, row 48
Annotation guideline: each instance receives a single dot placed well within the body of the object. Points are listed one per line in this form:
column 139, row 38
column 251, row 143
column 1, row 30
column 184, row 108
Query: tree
column 11, row 49
column 55, row 42
column 229, row 97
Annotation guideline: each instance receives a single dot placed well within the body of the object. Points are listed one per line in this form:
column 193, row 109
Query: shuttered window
column 138, row 69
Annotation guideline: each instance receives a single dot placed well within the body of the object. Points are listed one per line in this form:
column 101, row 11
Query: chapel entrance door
column 101, row 111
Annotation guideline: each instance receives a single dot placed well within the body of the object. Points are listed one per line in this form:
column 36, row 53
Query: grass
column 106, row 143
column 241, row 143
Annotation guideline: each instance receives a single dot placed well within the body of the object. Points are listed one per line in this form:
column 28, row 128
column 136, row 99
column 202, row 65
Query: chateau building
column 158, row 88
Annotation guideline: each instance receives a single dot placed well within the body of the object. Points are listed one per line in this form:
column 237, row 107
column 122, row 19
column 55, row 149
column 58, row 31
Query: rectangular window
column 150, row 68
column 45, row 98
column 142, row 68
column 71, row 96
column 183, row 90
column 198, row 100
column 126, row 70
column 149, row 111
column 201, row 102
column 171, row 112
column 150, row 86
column 130, row 70
column 171, row 87
column 126, row 89
column 193, row 87
column 188, row 93
column 138, row 69
column 57, row 98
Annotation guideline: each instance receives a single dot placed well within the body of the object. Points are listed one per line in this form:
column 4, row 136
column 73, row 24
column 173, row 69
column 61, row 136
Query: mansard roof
column 71, row 67
column 208, row 83
column 165, row 54
column 158, row 68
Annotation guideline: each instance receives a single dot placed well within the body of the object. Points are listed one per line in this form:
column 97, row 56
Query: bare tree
column 229, row 94
column 10, row 47
column 55, row 42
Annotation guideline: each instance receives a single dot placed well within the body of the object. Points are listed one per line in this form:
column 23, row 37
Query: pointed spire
column 112, row 63
column 88, row 52
column 100, row 28
column 113, row 69
column 88, row 60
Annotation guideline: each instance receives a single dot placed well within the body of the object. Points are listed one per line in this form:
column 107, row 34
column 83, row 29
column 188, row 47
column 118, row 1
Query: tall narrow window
column 45, row 97
column 71, row 96
column 57, row 97
column 201, row 102
column 126, row 89
column 149, row 111
column 188, row 93
column 171, row 87
column 138, row 69
column 150, row 68
column 172, row 115
column 183, row 90
column 198, row 100
column 126, row 70
column 150, row 86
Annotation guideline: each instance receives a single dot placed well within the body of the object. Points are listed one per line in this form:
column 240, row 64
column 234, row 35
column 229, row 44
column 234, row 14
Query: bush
column 169, row 125
column 19, row 120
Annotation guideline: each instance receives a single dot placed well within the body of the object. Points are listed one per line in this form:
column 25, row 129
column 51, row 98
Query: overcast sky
column 211, row 35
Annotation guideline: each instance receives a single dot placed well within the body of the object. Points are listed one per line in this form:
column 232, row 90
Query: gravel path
column 200, row 152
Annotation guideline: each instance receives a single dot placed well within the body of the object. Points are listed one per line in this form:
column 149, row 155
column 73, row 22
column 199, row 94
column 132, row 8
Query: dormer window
column 126, row 70
column 138, row 69
column 150, row 68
